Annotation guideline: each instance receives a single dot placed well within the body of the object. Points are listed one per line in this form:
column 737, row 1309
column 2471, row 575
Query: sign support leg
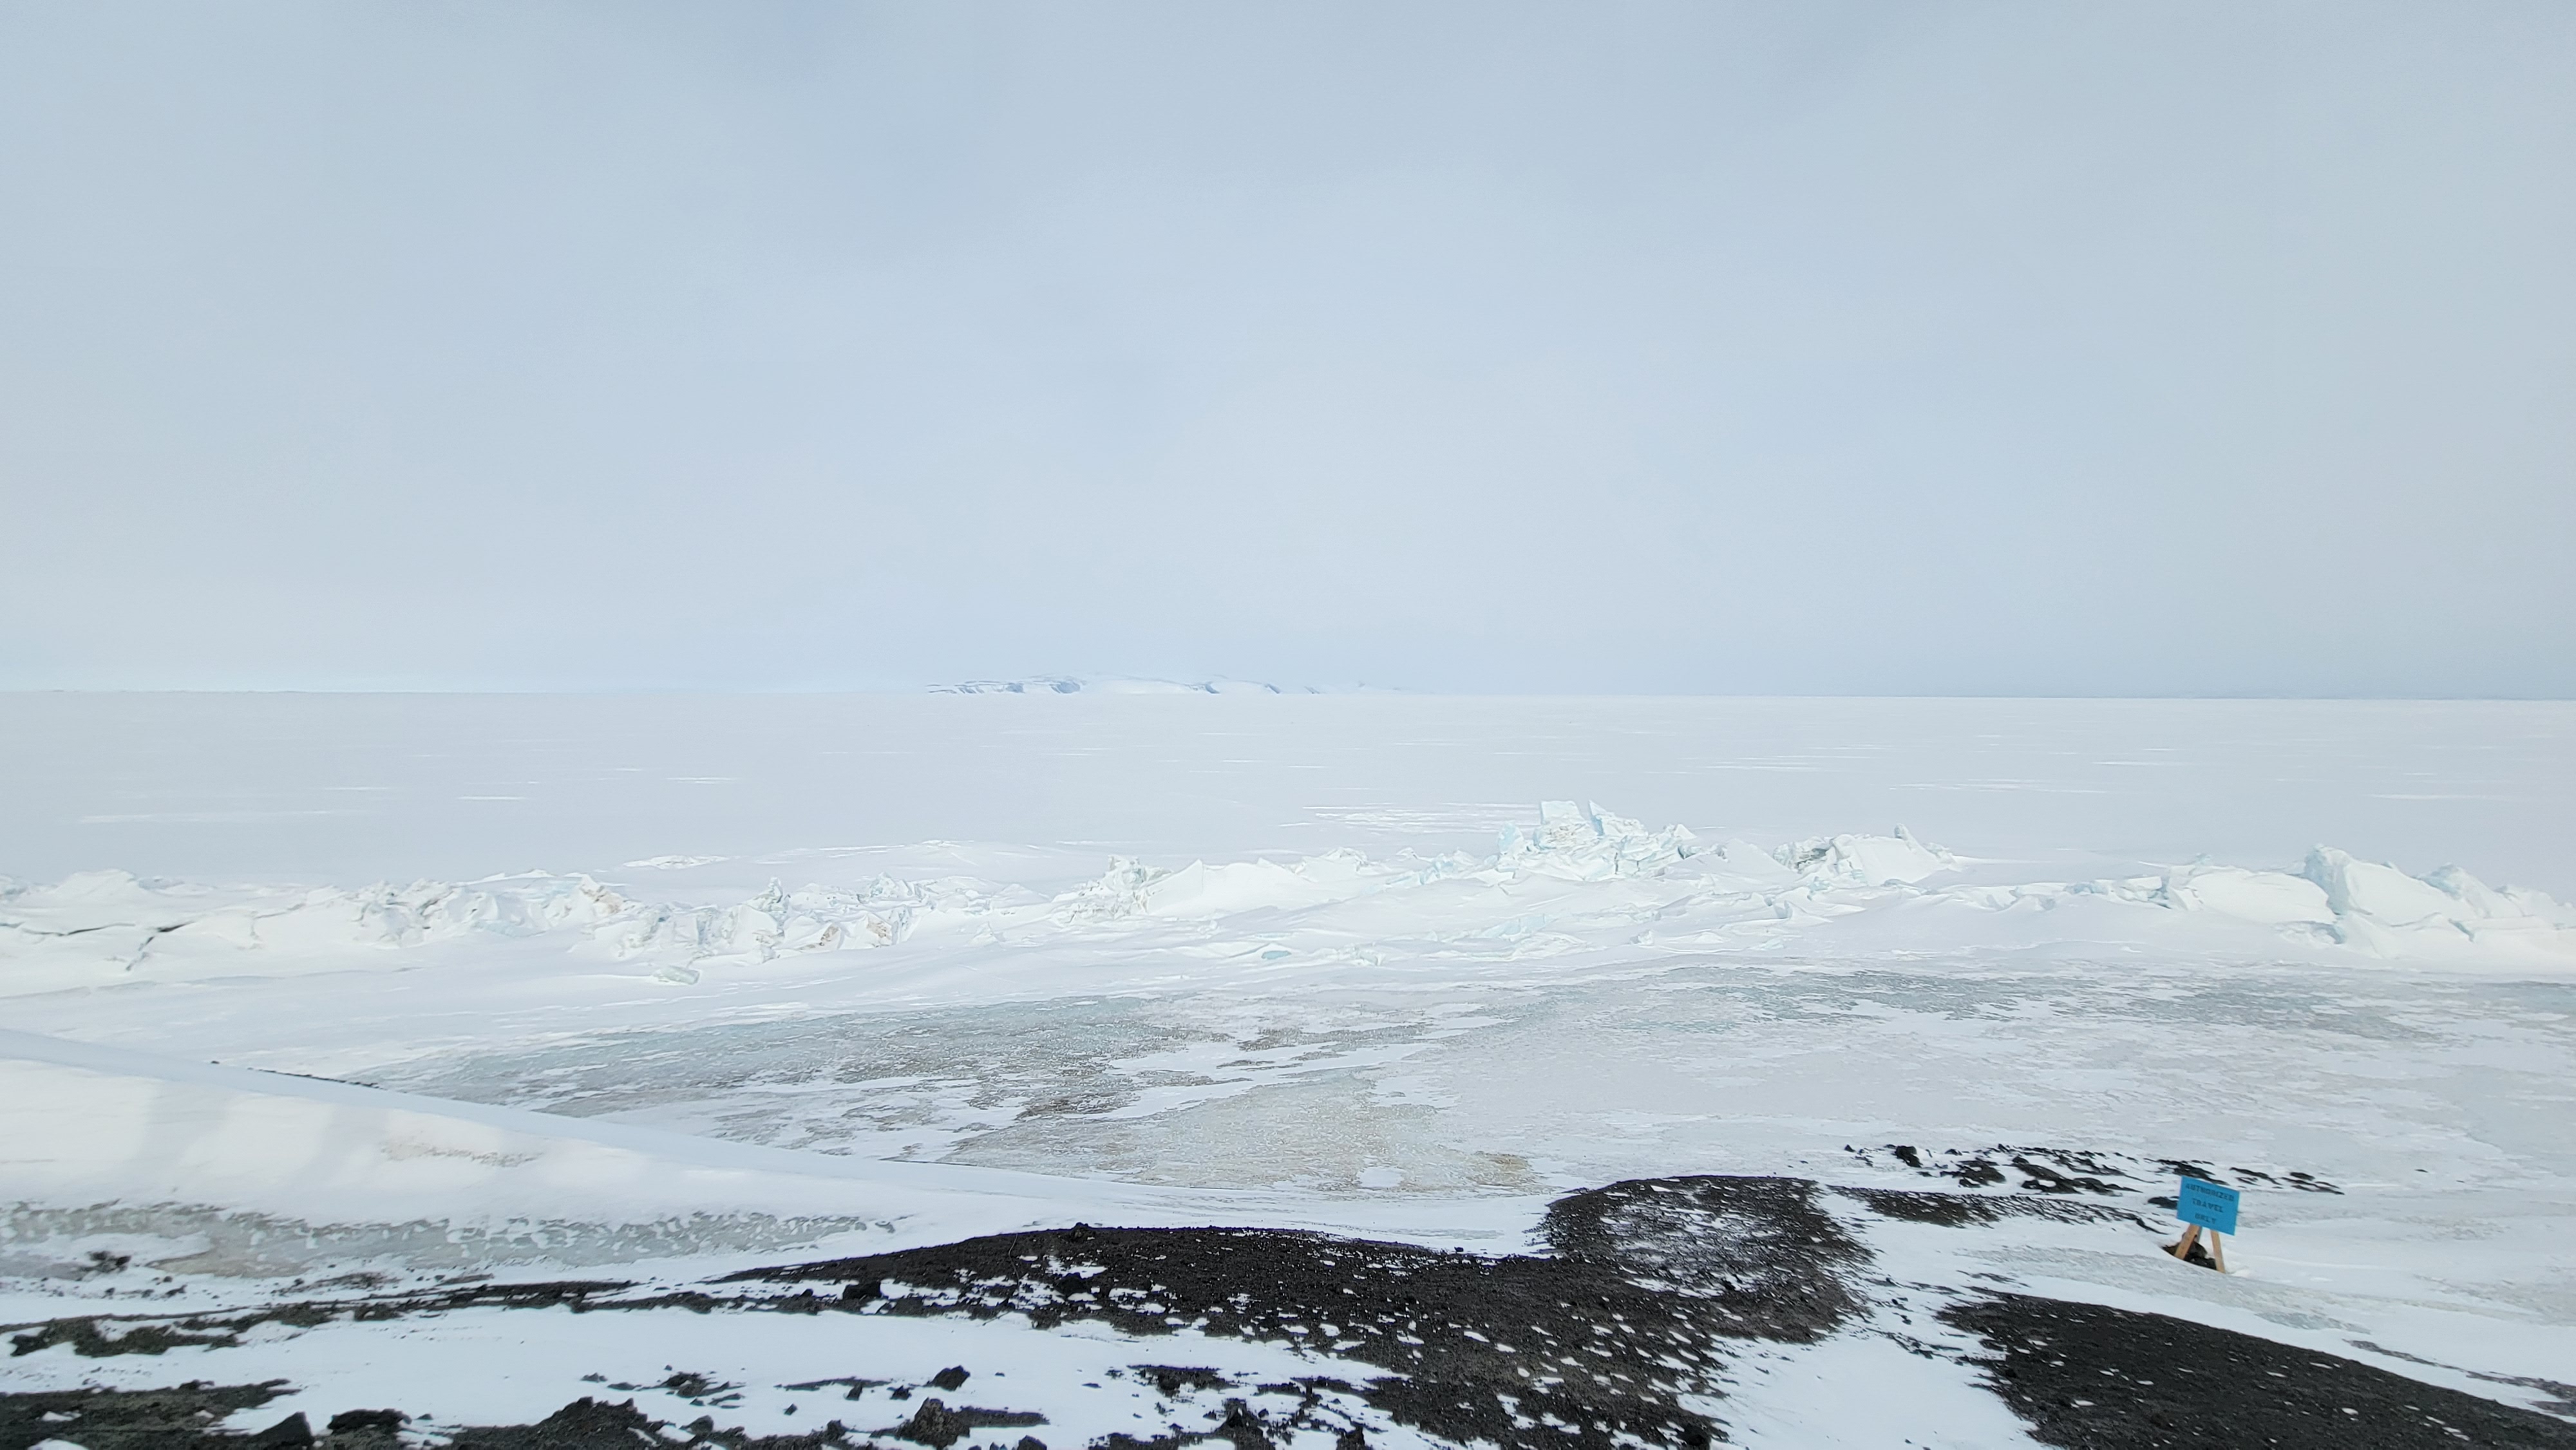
column 2217, row 1251
column 2190, row 1236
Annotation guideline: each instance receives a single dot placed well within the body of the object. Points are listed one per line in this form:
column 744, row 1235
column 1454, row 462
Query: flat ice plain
column 317, row 995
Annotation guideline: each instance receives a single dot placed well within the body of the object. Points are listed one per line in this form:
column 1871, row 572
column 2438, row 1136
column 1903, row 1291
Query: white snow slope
column 1292, row 960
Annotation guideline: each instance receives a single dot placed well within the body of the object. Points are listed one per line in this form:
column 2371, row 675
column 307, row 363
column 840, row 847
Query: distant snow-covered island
column 1124, row 685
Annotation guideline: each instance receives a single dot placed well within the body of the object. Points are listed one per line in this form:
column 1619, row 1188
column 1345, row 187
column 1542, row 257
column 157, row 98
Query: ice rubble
column 1599, row 873
column 60, row 935
column 2370, row 907
column 1898, row 860
column 1590, row 845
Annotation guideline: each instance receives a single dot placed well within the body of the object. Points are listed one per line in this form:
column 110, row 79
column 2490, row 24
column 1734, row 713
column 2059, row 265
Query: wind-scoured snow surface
column 749, row 1011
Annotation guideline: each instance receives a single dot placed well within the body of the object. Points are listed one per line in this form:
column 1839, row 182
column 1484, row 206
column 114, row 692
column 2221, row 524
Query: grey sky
column 1878, row 348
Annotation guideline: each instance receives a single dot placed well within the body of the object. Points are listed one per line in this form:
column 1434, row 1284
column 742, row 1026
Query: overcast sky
column 1885, row 348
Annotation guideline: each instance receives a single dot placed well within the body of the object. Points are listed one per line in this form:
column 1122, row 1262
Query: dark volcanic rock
column 1601, row 1340
column 1616, row 1336
column 1761, row 1244
column 1173, row 1379
column 1957, row 1210
column 286, row 1434
column 366, row 1430
column 98, row 1337
column 2094, row 1378
column 588, row 1424
column 186, row 1418
column 585, row 1424
column 936, row 1424
column 126, row 1419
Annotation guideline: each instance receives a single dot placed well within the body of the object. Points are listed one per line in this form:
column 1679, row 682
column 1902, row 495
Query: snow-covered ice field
column 299, row 988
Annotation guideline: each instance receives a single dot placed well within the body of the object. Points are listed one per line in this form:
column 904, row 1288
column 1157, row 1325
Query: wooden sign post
column 2205, row 1205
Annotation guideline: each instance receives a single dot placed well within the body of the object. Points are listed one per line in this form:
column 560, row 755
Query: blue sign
column 2211, row 1205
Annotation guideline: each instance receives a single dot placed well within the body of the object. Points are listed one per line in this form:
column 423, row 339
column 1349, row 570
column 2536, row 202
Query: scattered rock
column 937, row 1425
column 1172, row 1379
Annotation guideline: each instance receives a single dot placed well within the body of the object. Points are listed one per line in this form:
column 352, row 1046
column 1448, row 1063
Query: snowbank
column 108, row 921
